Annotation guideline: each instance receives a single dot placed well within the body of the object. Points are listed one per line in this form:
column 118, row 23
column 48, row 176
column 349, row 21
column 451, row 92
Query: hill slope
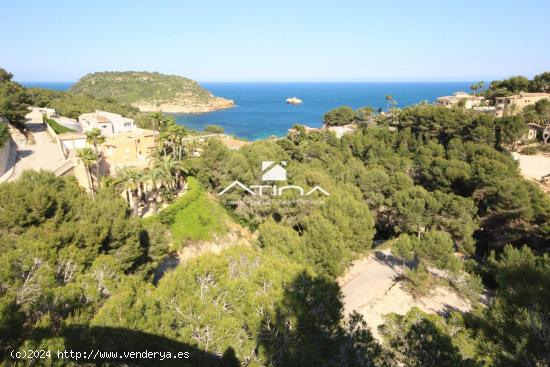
column 150, row 91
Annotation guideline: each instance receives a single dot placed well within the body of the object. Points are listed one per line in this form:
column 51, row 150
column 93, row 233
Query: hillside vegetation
column 149, row 91
column 194, row 216
column 71, row 105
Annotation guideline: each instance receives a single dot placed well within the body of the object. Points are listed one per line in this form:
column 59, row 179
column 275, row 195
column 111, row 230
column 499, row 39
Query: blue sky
column 277, row 40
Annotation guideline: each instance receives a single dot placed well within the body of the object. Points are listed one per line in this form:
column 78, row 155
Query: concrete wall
column 69, row 147
column 5, row 156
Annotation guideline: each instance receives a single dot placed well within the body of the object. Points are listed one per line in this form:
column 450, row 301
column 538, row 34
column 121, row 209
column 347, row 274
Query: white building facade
column 109, row 123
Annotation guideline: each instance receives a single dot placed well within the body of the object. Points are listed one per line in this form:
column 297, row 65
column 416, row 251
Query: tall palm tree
column 155, row 177
column 180, row 133
column 477, row 86
column 171, row 168
column 88, row 158
column 130, row 179
column 95, row 137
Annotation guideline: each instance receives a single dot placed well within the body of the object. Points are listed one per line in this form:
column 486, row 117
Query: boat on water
column 293, row 100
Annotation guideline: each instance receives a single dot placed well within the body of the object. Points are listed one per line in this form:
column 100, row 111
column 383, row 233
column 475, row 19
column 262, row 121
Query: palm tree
column 171, row 168
column 477, row 86
column 130, row 180
column 191, row 146
column 155, row 176
column 88, row 158
column 178, row 134
column 95, row 137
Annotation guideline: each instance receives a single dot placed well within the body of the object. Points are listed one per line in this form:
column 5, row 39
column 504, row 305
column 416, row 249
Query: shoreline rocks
column 214, row 104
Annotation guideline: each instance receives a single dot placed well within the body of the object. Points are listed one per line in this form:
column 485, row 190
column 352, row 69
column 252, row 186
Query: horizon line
column 295, row 81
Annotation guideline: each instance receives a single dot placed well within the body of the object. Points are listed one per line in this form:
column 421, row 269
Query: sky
column 238, row 40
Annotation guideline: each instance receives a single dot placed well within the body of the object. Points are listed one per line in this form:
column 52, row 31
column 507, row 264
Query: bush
column 418, row 281
column 59, row 129
column 339, row 116
column 468, row 285
column 168, row 215
column 213, row 129
column 192, row 216
column 199, row 220
column 529, row 150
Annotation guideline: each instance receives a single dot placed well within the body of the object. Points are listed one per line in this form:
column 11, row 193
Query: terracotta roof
column 101, row 118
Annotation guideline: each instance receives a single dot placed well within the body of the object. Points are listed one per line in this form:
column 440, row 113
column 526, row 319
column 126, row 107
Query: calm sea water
column 261, row 110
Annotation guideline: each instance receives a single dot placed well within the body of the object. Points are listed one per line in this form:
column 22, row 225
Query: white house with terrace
column 109, row 123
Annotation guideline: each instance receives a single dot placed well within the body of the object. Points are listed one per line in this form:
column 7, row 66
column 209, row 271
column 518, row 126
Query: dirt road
column 43, row 155
column 370, row 289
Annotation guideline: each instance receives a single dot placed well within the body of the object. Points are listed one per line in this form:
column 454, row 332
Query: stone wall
column 5, row 152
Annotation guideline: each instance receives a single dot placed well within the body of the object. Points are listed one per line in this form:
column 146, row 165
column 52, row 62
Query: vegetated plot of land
column 192, row 217
column 199, row 220
column 369, row 287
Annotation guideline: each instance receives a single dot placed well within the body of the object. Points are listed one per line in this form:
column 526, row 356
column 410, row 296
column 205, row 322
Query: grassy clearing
column 199, row 221
column 192, row 217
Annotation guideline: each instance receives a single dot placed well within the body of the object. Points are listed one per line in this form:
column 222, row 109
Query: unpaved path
column 533, row 166
column 369, row 288
column 43, row 155
column 367, row 280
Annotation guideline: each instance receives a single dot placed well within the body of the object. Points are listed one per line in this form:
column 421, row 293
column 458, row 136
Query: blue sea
column 261, row 109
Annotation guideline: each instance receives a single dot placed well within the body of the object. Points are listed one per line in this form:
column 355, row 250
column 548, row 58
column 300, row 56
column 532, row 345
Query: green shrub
column 168, row 214
column 529, row 150
column 213, row 129
column 59, row 129
column 418, row 281
column 193, row 216
column 469, row 286
column 200, row 220
column 339, row 116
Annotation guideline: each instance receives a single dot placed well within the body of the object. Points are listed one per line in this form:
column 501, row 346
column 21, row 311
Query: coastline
column 215, row 104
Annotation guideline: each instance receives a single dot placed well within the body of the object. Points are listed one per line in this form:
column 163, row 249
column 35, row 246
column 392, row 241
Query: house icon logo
column 273, row 171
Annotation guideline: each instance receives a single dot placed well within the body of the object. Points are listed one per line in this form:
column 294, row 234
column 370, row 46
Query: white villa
column 469, row 100
column 109, row 123
column 70, row 143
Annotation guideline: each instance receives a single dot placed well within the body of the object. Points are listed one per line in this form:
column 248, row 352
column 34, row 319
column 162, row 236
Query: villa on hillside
column 69, row 143
column 132, row 148
column 513, row 104
column 489, row 110
column 458, row 97
column 339, row 130
column 532, row 132
column 109, row 123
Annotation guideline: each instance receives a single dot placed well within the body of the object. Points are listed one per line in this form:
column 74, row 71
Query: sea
column 261, row 110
